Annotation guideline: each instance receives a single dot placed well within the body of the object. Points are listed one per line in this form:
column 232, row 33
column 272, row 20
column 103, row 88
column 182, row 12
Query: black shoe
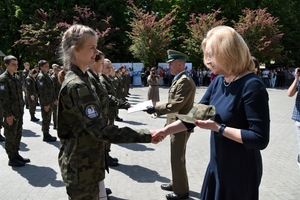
column 112, row 163
column 14, row 162
column 114, row 159
column 167, row 187
column 108, row 191
column 34, row 119
column 2, row 139
column 174, row 196
column 49, row 138
column 54, row 127
column 27, row 107
column 118, row 119
column 20, row 158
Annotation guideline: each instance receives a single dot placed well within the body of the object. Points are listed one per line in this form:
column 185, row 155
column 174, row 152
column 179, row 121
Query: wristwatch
column 221, row 130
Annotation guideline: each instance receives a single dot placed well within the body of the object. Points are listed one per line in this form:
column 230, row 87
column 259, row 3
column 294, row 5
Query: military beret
column 198, row 112
column 172, row 55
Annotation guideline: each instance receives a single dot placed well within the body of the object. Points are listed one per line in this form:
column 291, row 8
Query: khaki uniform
column 46, row 96
column 82, row 130
column 12, row 103
column 180, row 101
column 30, row 85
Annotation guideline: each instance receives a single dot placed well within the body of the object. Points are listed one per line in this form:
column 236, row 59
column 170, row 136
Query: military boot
column 2, row 139
column 34, row 119
column 14, row 162
column 48, row 138
column 20, row 158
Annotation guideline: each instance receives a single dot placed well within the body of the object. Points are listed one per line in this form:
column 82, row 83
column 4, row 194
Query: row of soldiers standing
column 37, row 85
column 41, row 86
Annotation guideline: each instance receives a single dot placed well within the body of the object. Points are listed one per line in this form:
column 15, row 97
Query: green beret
column 198, row 112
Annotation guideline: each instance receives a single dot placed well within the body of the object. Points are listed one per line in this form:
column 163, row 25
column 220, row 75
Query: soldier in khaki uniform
column 11, row 99
column 56, row 69
column 31, row 94
column 180, row 101
column 46, row 96
column 24, row 75
column 81, row 125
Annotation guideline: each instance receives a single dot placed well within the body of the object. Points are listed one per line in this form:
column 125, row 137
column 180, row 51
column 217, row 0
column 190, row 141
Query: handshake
column 157, row 136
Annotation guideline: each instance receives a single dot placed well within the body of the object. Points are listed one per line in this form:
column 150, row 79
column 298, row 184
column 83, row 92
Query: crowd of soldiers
column 40, row 86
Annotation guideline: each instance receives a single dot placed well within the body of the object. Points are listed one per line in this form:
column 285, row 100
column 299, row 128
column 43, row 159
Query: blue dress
column 235, row 170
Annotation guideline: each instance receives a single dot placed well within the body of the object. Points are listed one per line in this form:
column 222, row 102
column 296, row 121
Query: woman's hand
column 208, row 124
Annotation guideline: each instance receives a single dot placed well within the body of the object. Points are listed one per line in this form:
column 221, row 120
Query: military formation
column 40, row 86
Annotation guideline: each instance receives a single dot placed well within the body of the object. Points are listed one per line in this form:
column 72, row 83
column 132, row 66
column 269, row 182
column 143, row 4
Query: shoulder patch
column 2, row 87
column 92, row 111
column 41, row 83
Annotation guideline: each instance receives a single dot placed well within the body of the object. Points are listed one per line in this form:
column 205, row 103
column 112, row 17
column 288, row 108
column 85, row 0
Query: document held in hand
column 140, row 106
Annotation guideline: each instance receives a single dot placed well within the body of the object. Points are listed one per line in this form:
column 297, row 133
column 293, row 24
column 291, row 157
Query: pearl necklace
column 226, row 85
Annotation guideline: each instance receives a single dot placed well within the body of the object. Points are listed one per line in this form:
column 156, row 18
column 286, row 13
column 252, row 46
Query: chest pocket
column 172, row 92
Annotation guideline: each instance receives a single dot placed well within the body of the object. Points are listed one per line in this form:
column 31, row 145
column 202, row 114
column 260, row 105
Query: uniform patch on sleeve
column 92, row 111
column 28, row 82
column 2, row 87
column 41, row 83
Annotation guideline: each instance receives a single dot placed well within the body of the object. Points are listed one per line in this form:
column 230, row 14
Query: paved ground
column 143, row 167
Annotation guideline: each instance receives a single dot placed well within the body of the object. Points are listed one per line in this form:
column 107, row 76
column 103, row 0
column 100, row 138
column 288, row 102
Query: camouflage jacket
column 11, row 96
column 101, row 92
column 45, row 89
column 24, row 75
column 56, row 85
column 30, row 85
column 82, row 130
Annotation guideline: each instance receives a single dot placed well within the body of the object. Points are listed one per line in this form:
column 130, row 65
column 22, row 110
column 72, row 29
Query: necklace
column 227, row 84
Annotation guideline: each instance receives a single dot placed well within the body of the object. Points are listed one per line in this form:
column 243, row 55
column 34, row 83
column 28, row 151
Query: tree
column 261, row 32
column 42, row 37
column 198, row 26
column 149, row 37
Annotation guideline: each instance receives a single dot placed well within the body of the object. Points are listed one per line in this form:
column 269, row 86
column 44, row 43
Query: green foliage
column 261, row 32
column 149, row 36
column 198, row 26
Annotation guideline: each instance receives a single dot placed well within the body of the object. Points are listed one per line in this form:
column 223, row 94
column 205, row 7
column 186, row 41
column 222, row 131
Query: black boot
column 118, row 119
column 34, row 119
column 2, row 139
column 111, row 162
column 20, row 158
column 14, row 162
column 48, row 138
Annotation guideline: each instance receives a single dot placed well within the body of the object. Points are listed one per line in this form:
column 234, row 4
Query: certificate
column 140, row 106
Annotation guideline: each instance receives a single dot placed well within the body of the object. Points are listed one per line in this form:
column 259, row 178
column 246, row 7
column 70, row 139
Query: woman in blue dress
column 240, row 128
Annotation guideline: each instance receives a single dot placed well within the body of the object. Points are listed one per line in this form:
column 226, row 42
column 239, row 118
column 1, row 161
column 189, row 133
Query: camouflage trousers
column 46, row 119
column 90, row 192
column 54, row 110
column 1, row 118
column 13, row 136
column 32, row 105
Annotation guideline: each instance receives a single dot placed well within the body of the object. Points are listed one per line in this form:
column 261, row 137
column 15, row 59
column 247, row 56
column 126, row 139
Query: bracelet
column 221, row 130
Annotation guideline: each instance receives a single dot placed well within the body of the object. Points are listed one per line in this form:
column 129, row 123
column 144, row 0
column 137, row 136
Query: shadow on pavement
column 56, row 143
column 140, row 174
column 132, row 122
column 136, row 147
column 39, row 176
column 23, row 146
column 115, row 198
column 29, row 133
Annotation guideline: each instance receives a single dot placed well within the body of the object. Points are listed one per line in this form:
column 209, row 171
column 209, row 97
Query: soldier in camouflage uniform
column 12, row 103
column 114, row 103
column 56, row 69
column 2, row 139
column 31, row 94
column 81, row 125
column 46, row 96
column 24, row 75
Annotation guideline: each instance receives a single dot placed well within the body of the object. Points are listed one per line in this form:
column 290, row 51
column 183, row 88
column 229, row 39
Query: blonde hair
column 229, row 49
column 75, row 36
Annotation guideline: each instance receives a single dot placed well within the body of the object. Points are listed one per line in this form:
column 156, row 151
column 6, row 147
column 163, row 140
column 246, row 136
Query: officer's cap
column 198, row 112
column 172, row 55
